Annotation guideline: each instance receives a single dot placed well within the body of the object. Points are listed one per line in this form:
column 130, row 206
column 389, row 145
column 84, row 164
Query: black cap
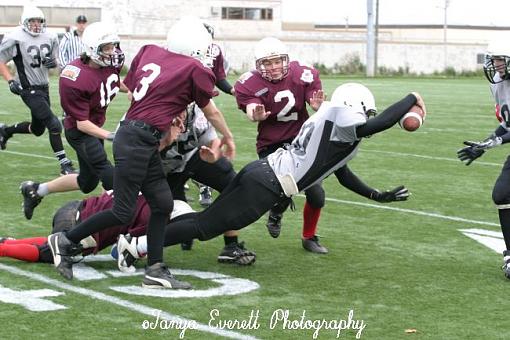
column 81, row 18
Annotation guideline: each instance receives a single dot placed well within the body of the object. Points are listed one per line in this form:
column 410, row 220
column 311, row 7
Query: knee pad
column 36, row 130
column 315, row 196
column 54, row 126
column 163, row 203
column 501, row 197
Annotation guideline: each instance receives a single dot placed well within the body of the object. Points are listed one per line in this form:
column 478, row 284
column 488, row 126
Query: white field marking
column 136, row 307
column 32, row 300
column 491, row 239
column 416, row 212
column 427, row 157
column 27, row 154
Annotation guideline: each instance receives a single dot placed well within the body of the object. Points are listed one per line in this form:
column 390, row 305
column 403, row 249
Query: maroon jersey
column 85, row 92
column 164, row 83
column 218, row 63
column 107, row 237
column 285, row 99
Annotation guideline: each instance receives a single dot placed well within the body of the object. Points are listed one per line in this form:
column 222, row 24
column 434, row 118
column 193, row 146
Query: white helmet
column 189, row 37
column 95, row 37
column 356, row 96
column 271, row 48
column 29, row 13
column 180, row 208
column 497, row 49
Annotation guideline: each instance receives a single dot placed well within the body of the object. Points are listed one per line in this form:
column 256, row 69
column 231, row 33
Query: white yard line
column 136, row 307
column 410, row 211
column 427, row 157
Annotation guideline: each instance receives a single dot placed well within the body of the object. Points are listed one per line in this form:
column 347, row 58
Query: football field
column 426, row 268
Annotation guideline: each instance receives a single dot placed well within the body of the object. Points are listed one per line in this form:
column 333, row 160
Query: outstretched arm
column 349, row 180
column 389, row 117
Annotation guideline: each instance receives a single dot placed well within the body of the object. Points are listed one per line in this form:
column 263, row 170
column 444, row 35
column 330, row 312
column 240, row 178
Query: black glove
column 471, row 152
column 15, row 87
column 49, row 62
column 398, row 194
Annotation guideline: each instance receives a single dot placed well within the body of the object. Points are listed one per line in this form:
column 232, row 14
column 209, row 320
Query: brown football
column 412, row 120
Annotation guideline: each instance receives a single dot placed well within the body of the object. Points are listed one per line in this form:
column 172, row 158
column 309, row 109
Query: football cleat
column 30, row 198
column 238, row 254
column 3, row 239
column 187, row 245
column 127, row 254
column 274, row 224
column 205, row 196
column 312, row 244
column 4, row 137
column 67, row 168
column 158, row 276
column 506, row 263
column 62, row 250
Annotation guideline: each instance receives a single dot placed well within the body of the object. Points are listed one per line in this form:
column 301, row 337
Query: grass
column 394, row 269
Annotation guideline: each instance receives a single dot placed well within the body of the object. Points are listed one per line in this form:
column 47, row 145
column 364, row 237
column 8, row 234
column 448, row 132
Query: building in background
column 240, row 23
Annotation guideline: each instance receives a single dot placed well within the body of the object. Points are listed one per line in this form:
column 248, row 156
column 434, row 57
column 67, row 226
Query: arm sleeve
column 6, row 50
column 503, row 133
column 350, row 181
column 203, row 86
column 225, row 86
column 387, row 118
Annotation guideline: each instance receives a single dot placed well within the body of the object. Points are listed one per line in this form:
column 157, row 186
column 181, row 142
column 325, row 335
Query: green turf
column 396, row 270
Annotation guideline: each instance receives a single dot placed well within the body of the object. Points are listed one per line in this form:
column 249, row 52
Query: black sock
column 58, row 148
column 23, row 127
column 155, row 238
column 504, row 220
column 100, row 221
column 230, row 239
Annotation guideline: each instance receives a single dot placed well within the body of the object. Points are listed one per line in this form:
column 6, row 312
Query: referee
column 71, row 45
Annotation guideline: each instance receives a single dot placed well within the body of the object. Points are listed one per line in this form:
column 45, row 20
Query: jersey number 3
column 155, row 69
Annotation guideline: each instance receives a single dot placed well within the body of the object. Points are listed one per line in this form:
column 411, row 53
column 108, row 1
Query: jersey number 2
column 284, row 115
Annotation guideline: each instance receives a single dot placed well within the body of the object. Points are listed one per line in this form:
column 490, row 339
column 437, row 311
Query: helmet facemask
column 497, row 64
column 113, row 57
column 266, row 66
column 34, row 28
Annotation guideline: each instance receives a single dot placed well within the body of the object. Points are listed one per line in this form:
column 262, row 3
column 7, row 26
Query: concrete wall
column 141, row 22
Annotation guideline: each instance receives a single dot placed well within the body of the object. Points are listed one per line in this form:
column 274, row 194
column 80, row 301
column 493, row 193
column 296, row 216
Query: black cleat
column 312, row 244
column 506, row 263
column 62, row 249
column 30, row 198
column 187, row 245
column 4, row 137
column 274, row 224
column 205, row 196
column 67, row 168
column 3, row 239
column 238, row 254
column 158, row 276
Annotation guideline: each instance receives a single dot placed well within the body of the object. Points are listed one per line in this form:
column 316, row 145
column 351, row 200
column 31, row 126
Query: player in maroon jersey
column 163, row 82
column 36, row 249
column 87, row 85
column 275, row 96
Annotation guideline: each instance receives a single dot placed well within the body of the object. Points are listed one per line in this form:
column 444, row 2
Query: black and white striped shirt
column 70, row 48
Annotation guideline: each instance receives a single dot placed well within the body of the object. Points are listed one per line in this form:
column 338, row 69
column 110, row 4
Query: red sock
column 32, row 240
column 23, row 252
column 310, row 219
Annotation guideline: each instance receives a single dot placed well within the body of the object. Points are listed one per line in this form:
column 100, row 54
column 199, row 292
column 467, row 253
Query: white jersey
column 325, row 143
column 198, row 132
column 501, row 93
column 27, row 52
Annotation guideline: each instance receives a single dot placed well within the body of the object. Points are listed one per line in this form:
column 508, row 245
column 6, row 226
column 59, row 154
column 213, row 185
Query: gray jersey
column 198, row 132
column 501, row 93
column 325, row 143
column 27, row 52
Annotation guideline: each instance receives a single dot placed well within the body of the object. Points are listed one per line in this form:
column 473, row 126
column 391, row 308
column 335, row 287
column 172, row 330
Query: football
column 412, row 120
